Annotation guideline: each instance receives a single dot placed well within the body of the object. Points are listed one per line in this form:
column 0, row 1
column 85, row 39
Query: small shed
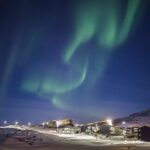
column 144, row 133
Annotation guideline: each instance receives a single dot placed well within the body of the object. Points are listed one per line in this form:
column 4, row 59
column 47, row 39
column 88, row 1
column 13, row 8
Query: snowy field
column 75, row 138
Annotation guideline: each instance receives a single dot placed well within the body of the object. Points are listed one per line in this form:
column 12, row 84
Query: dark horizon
column 82, row 60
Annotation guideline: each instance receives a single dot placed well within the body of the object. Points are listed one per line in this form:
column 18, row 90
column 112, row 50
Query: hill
column 136, row 119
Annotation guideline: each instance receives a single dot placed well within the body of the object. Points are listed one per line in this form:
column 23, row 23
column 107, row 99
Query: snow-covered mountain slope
column 137, row 119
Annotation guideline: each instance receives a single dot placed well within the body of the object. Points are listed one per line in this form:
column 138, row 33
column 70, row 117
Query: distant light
column 109, row 121
column 76, row 125
column 16, row 123
column 58, row 123
column 5, row 122
column 43, row 124
column 29, row 123
column 123, row 123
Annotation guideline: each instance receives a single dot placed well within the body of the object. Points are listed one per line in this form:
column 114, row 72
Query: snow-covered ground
column 76, row 138
column 92, row 139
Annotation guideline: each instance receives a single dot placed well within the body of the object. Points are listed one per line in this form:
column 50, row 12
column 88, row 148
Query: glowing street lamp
column 43, row 124
column 76, row 125
column 123, row 123
column 5, row 122
column 109, row 121
column 29, row 123
column 124, row 131
column 58, row 123
column 16, row 123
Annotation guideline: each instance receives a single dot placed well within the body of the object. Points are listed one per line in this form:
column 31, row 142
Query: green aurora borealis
column 99, row 20
column 58, row 53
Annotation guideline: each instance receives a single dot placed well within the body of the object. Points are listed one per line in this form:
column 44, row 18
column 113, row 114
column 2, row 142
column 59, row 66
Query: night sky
column 82, row 59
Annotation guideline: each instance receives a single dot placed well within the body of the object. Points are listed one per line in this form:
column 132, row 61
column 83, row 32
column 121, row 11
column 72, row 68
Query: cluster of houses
column 100, row 128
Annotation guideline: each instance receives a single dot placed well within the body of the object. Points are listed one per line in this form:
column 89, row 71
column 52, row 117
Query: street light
column 76, row 125
column 124, row 131
column 109, row 121
column 43, row 124
column 123, row 123
column 5, row 122
column 29, row 123
column 58, row 123
column 16, row 123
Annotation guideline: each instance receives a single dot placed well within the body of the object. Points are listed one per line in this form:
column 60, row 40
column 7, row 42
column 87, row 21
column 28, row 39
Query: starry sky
column 82, row 59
